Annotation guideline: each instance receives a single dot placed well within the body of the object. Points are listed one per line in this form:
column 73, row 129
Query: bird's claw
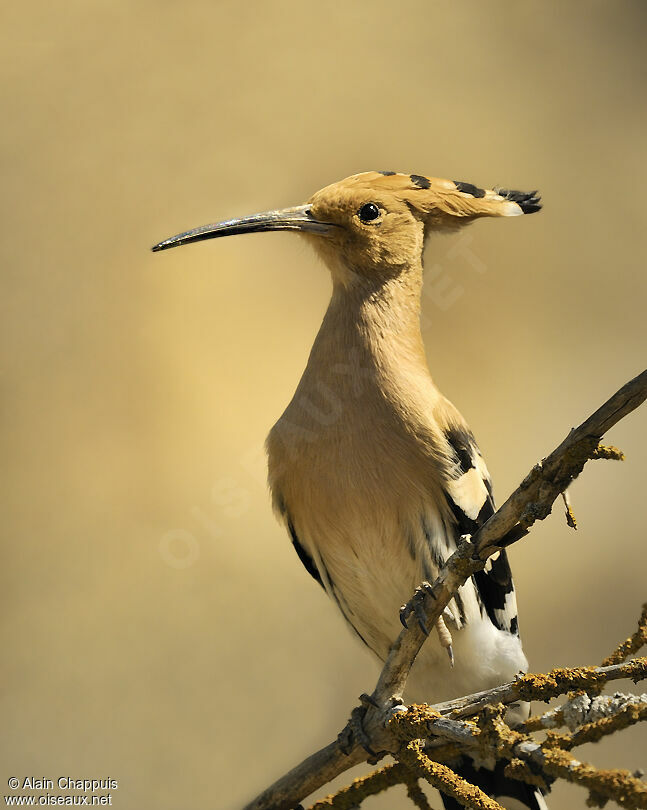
column 357, row 727
column 416, row 606
column 345, row 740
column 354, row 732
column 368, row 700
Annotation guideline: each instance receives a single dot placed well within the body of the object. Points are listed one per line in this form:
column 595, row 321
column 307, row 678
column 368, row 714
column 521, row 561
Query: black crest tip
column 420, row 181
column 528, row 201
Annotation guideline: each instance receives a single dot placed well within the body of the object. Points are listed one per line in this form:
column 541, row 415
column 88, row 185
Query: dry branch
column 491, row 739
column 349, row 797
column 531, row 501
column 417, row 795
column 545, row 687
column 581, row 710
column 632, row 644
column 443, row 778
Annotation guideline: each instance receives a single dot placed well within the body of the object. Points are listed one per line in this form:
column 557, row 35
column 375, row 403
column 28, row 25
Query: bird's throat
column 378, row 327
column 368, row 358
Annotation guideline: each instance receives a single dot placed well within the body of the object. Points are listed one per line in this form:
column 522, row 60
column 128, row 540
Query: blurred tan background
column 157, row 627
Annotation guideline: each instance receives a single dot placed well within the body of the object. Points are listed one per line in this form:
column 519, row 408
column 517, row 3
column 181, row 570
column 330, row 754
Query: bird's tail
column 510, row 793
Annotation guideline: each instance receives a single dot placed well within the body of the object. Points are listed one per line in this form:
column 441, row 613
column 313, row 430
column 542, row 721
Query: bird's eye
column 368, row 212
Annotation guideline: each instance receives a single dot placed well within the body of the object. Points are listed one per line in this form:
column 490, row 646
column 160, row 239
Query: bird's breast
column 353, row 474
column 359, row 471
column 353, row 453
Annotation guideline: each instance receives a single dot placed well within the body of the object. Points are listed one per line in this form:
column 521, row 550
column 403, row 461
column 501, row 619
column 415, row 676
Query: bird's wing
column 469, row 496
column 308, row 563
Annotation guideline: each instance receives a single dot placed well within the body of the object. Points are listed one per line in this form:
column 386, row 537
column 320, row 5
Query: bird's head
column 373, row 225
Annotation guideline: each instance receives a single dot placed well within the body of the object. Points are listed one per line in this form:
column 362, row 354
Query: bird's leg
column 416, row 606
column 355, row 733
column 445, row 638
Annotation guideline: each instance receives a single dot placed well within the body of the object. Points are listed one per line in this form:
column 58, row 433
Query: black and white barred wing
column 469, row 496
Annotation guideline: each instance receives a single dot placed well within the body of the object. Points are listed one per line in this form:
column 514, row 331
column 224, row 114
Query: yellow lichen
column 608, row 451
column 520, row 770
column 351, row 796
column 595, row 731
column 413, row 723
column 444, row 779
column 619, row 785
column 632, row 644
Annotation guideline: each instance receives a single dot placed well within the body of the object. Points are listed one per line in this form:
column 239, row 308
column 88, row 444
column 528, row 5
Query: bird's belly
column 370, row 568
column 370, row 574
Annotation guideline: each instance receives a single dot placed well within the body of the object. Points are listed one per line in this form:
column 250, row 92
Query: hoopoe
column 374, row 473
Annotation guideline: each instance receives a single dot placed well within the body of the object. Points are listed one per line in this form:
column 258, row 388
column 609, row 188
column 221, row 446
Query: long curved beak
column 287, row 219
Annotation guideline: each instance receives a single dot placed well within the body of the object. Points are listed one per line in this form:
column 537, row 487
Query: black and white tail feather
column 470, row 499
column 469, row 496
column 512, row 794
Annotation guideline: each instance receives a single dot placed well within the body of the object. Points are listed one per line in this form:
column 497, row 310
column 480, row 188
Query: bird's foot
column 355, row 733
column 416, row 607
